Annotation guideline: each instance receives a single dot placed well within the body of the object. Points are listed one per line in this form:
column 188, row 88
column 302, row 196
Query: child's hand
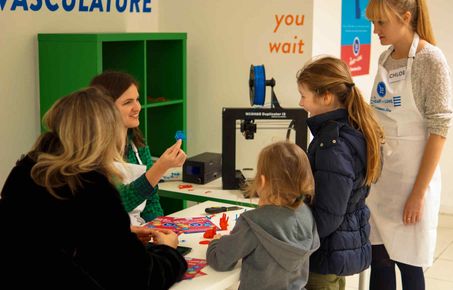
column 165, row 237
column 217, row 236
column 143, row 234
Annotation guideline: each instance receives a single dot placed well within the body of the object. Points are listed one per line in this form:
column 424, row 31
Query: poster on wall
column 355, row 36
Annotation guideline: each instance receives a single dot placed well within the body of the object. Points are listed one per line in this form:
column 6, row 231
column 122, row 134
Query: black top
column 82, row 242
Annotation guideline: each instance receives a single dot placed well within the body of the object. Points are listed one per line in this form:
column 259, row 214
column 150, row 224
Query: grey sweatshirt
column 274, row 243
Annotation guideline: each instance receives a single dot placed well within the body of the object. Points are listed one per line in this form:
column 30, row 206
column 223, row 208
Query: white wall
column 441, row 11
column 19, row 89
column 224, row 39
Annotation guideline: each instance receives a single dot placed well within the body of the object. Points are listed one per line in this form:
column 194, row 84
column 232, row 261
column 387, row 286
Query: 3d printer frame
column 232, row 178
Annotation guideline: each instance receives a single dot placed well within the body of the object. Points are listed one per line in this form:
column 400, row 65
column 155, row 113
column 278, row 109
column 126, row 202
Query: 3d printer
column 232, row 178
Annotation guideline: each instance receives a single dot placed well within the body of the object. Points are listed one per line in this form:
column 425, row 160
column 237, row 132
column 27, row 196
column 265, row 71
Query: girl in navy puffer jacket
column 345, row 159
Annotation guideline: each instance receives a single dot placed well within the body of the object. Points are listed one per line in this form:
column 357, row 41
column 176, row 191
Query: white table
column 214, row 193
column 203, row 192
column 213, row 280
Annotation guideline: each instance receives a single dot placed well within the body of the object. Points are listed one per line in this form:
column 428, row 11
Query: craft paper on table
column 163, row 222
column 185, row 225
column 194, row 268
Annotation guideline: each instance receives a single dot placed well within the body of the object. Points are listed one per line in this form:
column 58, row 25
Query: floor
column 440, row 275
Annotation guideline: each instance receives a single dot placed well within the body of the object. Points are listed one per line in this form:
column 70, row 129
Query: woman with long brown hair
column 139, row 192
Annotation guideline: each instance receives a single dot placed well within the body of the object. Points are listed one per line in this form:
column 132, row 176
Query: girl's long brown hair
column 331, row 75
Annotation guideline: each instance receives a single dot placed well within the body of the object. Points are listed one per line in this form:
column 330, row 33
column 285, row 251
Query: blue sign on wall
column 104, row 6
column 355, row 36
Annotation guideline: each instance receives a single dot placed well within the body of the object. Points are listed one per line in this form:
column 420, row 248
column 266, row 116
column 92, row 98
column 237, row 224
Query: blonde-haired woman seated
column 51, row 202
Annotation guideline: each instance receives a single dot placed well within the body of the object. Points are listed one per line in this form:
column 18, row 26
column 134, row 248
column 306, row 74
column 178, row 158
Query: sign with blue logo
column 383, row 100
column 355, row 36
column 356, row 46
column 380, row 89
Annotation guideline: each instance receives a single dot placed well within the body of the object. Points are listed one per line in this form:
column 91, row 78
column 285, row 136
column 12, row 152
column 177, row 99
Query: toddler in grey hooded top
column 275, row 240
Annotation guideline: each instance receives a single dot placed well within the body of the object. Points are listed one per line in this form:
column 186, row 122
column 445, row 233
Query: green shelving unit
column 67, row 62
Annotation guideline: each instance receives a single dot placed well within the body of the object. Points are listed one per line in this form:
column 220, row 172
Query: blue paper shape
column 180, row 135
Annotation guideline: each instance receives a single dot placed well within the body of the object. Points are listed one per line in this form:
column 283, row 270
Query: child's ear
column 328, row 99
column 262, row 181
column 407, row 16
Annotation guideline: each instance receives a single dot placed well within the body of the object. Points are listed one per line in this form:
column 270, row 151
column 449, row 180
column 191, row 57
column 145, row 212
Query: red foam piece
column 209, row 234
column 224, row 222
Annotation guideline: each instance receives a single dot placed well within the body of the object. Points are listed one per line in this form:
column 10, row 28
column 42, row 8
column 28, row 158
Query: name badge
column 397, row 75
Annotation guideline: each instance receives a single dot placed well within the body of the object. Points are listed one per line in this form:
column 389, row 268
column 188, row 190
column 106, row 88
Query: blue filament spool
column 258, row 88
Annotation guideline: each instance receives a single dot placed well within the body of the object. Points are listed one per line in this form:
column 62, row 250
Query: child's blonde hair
column 289, row 180
column 331, row 75
column 420, row 22
column 83, row 135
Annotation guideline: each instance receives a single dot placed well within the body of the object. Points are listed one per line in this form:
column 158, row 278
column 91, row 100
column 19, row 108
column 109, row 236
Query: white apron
column 405, row 140
column 130, row 173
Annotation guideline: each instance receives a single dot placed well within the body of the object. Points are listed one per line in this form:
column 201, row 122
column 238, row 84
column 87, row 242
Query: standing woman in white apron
column 412, row 99
column 139, row 193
